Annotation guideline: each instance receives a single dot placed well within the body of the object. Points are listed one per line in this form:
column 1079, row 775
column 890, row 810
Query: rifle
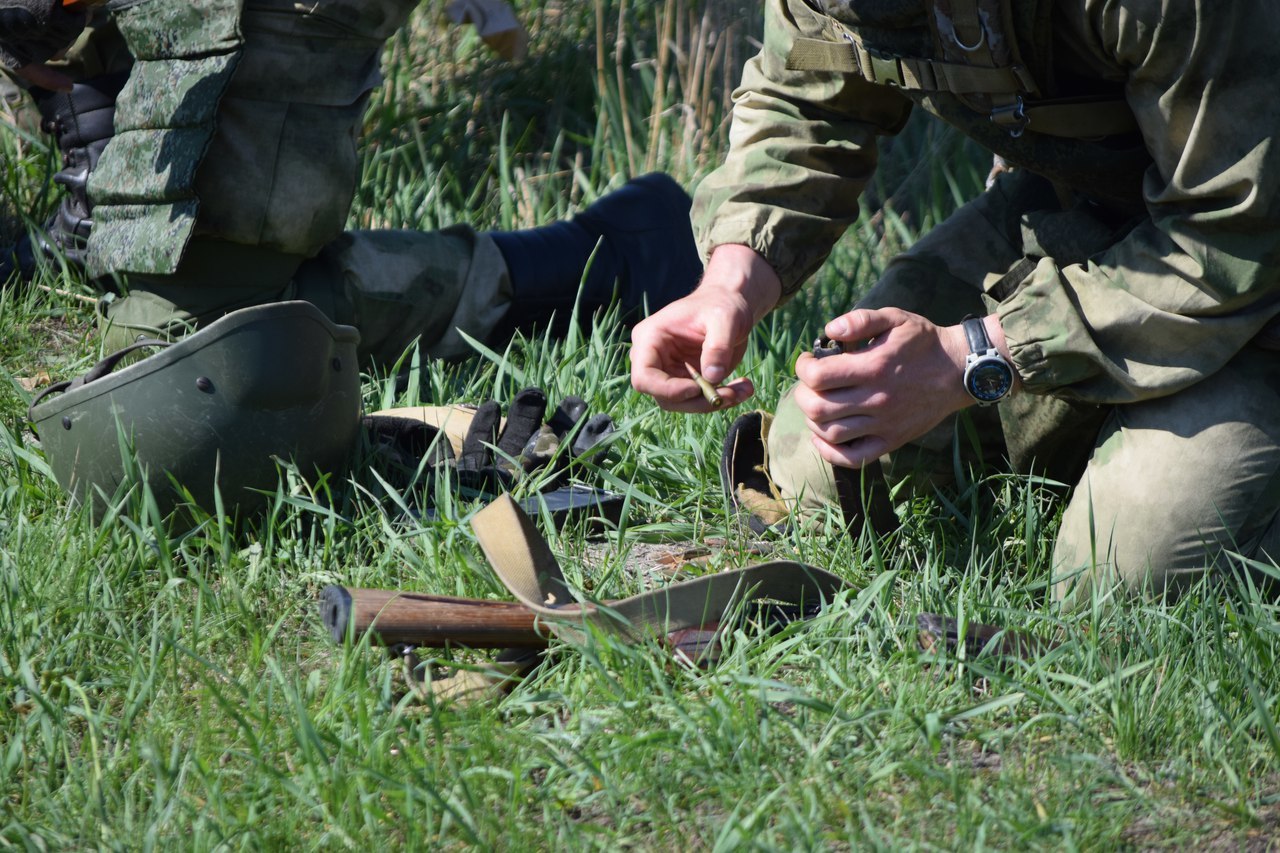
column 417, row 620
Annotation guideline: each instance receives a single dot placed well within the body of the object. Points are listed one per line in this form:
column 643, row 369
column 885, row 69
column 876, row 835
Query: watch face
column 989, row 380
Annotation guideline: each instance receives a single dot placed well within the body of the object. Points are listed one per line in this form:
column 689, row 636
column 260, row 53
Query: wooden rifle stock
column 432, row 621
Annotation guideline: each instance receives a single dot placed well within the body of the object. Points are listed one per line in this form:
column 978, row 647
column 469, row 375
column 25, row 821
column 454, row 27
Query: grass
column 174, row 688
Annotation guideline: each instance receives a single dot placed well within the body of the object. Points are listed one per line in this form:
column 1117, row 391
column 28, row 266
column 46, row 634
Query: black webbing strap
column 1010, row 281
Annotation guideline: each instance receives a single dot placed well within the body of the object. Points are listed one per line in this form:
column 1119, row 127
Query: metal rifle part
column 404, row 621
column 824, row 347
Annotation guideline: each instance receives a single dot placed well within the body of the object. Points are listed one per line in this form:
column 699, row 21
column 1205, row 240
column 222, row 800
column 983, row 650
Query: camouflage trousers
column 396, row 287
column 1162, row 491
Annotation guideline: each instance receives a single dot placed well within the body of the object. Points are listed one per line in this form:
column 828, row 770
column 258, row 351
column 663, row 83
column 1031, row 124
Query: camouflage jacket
column 1159, row 309
column 239, row 123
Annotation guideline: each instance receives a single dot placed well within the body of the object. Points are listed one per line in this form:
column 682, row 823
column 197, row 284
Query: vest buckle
column 1012, row 117
column 885, row 69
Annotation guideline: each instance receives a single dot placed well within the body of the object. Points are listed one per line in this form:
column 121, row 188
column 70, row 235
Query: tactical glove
column 36, row 30
column 488, row 454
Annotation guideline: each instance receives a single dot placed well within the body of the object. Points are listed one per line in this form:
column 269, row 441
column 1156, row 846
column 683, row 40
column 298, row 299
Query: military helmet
column 217, row 408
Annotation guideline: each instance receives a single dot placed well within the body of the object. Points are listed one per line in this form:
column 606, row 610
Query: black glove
column 36, row 30
column 529, row 444
column 491, row 460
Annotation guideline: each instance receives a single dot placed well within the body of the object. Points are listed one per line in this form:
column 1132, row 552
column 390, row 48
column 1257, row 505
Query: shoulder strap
column 929, row 75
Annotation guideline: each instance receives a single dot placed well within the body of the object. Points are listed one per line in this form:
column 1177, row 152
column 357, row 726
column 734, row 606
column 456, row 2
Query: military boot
column 646, row 257
column 81, row 122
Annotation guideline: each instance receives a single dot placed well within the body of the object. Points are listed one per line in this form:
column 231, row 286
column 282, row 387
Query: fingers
column 657, row 364
column 852, row 454
column 839, row 372
column 692, row 402
column 862, row 324
column 718, row 356
column 843, row 423
column 699, row 330
column 678, row 393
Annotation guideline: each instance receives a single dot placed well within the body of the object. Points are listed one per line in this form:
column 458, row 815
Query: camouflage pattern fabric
column 144, row 186
column 396, row 287
column 1117, row 309
column 1165, row 486
column 232, row 174
column 1169, row 303
column 237, row 124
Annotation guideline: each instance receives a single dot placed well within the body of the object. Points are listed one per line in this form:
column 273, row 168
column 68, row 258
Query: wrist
column 956, row 346
column 741, row 271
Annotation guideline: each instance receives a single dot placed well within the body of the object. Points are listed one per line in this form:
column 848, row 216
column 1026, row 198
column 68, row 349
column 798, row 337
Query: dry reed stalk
column 601, row 81
column 666, row 23
column 621, row 70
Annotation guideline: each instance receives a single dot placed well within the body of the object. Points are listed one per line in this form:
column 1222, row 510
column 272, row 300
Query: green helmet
column 219, row 407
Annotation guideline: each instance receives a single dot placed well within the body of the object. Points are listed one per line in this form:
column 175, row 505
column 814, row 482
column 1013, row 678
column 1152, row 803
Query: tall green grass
column 173, row 688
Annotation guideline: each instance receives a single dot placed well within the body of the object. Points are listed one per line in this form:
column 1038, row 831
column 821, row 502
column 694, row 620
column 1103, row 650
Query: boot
column 646, row 257
column 81, row 122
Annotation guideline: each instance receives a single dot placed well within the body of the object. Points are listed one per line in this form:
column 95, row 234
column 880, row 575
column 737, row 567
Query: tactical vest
column 238, row 123
column 983, row 66
column 143, row 189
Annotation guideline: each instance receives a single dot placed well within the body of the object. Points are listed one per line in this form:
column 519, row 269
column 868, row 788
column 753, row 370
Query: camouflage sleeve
column 802, row 147
column 1195, row 282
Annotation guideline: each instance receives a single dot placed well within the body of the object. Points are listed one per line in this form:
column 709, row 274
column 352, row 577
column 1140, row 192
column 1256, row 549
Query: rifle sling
column 524, row 563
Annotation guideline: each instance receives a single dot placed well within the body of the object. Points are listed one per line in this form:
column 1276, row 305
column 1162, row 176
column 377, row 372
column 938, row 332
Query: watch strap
column 976, row 332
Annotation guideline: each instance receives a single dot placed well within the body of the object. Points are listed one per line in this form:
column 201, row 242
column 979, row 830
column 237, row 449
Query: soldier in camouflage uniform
column 1125, row 269
column 232, row 166
column 218, row 187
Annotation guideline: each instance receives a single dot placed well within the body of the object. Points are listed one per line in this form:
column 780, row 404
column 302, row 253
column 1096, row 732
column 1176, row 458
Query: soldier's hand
column 707, row 330
column 899, row 377
column 34, row 31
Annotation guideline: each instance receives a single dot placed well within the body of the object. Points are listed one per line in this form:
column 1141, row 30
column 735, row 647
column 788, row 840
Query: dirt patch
column 1198, row 826
column 658, row 564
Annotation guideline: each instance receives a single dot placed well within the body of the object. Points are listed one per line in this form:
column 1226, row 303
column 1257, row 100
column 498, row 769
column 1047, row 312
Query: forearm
column 802, row 148
column 1144, row 319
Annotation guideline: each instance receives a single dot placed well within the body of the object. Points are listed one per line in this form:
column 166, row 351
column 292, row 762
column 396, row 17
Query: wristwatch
column 987, row 376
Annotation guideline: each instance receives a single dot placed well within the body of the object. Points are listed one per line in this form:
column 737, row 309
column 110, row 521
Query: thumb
column 717, row 349
column 862, row 324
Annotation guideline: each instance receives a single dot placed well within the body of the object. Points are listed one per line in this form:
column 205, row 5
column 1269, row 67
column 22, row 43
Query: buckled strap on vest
column 1068, row 118
column 1080, row 119
column 927, row 75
